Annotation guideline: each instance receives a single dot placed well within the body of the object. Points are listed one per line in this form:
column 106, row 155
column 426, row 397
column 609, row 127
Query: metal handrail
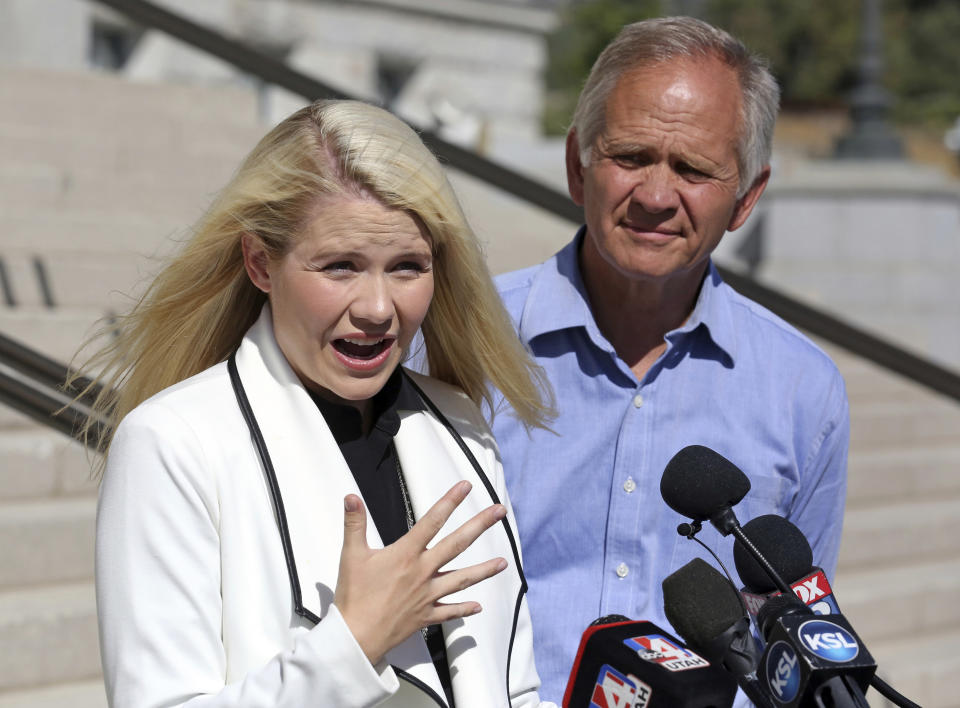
column 33, row 384
column 44, row 372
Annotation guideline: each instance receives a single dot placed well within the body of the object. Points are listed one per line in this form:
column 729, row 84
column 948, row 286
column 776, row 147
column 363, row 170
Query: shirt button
column 637, row 401
column 622, row 570
column 629, row 485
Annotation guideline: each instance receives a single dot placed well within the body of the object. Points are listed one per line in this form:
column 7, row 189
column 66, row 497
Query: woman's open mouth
column 363, row 354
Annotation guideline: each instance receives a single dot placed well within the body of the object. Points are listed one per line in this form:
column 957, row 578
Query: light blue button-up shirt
column 596, row 536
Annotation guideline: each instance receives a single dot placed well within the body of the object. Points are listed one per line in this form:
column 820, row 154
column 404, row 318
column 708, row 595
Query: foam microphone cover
column 781, row 543
column 700, row 603
column 698, row 483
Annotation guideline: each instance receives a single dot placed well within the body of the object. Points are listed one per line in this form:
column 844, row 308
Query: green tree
column 812, row 46
column 922, row 54
column 586, row 27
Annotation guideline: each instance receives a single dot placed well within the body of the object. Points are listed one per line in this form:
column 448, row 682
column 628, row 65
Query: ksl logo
column 829, row 641
column 812, row 588
column 783, row 674
column 616, row 690
column 657, row 649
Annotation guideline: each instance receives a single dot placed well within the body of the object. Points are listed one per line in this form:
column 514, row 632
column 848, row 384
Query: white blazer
column 211, row 588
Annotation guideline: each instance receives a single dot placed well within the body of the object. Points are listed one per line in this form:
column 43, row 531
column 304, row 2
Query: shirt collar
column 396, row 395
column 712, row 312
column 558, row 300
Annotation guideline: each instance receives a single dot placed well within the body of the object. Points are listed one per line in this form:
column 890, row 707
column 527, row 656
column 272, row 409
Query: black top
column 372, row 458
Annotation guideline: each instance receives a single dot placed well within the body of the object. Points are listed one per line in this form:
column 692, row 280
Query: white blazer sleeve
column 158, row 589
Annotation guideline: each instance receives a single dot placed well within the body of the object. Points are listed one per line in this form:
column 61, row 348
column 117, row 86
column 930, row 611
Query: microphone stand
column 726, row 523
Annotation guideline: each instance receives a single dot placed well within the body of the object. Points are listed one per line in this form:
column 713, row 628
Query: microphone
column 702, row 484
column 810, row 659
column 787, row 550
column 702, row 605
column 623, row 663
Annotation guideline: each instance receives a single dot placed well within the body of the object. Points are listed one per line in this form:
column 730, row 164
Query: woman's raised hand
column 385, row 595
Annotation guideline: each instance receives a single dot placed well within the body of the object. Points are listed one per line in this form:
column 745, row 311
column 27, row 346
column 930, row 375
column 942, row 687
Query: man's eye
column 691, row 172
column 630, row 160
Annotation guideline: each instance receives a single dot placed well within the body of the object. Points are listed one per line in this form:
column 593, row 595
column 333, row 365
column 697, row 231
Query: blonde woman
column 261, row 415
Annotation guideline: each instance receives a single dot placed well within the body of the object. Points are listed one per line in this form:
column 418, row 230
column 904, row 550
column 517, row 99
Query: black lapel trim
column 417, row 683
column 496, row 500
column 479, row 470
column 513, row 635
column 261, row 446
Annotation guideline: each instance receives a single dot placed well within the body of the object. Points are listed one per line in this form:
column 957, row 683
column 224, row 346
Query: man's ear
column 574, row 168
column 748, row 201
column 255, row 261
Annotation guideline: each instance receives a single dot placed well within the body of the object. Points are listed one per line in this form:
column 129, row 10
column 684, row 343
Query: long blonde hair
column 196, row 311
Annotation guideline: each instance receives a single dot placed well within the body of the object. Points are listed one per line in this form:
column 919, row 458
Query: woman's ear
column 256, row 261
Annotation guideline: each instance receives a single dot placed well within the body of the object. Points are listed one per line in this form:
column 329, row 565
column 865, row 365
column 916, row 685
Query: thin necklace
column 407, row 507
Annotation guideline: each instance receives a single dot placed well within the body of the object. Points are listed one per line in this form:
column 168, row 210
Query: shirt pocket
column 769, row 494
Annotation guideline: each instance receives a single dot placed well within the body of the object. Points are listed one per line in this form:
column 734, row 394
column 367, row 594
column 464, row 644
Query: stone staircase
column 97, row 175
column 899, row 570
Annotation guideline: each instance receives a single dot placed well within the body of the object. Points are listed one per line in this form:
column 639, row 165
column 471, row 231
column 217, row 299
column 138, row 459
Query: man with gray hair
column 649, row 351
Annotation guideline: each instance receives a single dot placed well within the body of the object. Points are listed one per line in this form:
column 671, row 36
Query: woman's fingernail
column 350, row 503
column 499, row 512
column 476, row 610
column 502, row 565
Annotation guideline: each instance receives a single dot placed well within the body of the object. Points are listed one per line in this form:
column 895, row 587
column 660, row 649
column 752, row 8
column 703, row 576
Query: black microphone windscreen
column 700, row 603
column 608, row 619
column 781, row 543
column 698, row 482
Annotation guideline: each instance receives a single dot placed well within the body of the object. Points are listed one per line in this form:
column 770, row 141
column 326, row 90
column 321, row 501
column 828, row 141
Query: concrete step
column 37, row 186
column 37, row 462
column 899, row 474
column 893, row 601
column 46, row 541
column 57, row 333
column 14, row 420
column 900, row 423
column 76, row 280
column 905, row 532
column 513, row 233
column 81, row 694
column 114, row 105
column 922, row 668
column 868, row 382
column 48, row 636
column 118, row 147
column 95, row 230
